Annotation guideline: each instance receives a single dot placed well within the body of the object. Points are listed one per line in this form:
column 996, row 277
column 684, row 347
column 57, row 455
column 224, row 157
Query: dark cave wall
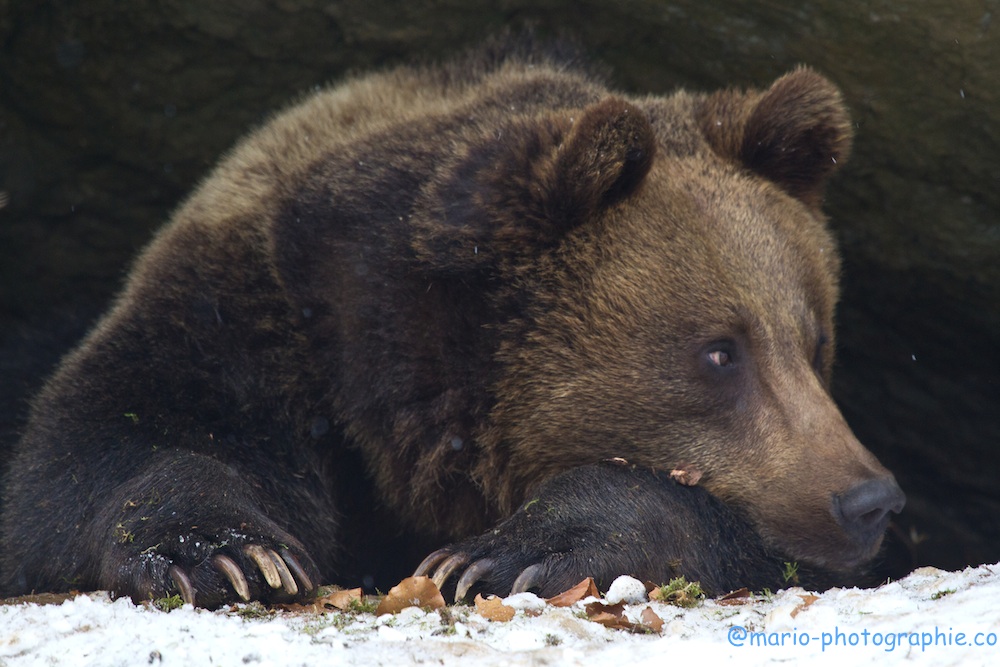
column 110, row 112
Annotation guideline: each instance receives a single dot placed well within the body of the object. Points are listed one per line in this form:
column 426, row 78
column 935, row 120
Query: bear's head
column 670, row 288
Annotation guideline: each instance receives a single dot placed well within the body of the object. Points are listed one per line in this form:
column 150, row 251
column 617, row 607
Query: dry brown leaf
column 739, row 596
column 613, row 616
column 411, row 592
column 493, row 609
column 585, row 588
column 607, row 619
column 686, row 474
column 608, row 615
column 651, row 620
column 340, row 599
column 807, row 600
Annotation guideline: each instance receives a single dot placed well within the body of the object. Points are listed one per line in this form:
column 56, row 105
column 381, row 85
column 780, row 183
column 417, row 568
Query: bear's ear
column 796, row 133
column 604, row 159
column 525, row 185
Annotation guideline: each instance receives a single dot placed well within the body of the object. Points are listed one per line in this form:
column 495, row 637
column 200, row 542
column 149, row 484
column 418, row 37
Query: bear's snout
column 863, row 510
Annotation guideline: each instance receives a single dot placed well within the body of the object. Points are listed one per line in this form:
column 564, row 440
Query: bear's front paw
column 209, row 571
column 281, row 572
column 603, row 521
column 493, row 570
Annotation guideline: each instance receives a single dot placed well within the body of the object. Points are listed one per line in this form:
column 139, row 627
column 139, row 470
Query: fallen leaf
column 585, row 588
column 807, row 600
column 411, row 592
column 607, row 619
column 493, row 609
column 613, row 616
column 737, row 597
column 340, row 599
column 608, row 615
column 686, row 475
column 651, row 620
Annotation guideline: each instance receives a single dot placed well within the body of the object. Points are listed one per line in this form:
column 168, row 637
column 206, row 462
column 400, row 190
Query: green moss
column 169, row 603
column 681, row 593
column 253, row 611
column 366, row 605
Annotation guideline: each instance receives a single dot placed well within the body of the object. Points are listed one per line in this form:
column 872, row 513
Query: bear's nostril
column 863, row 509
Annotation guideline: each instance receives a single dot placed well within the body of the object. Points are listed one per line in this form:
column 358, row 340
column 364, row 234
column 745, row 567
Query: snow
column 625, row 589
column 930, row 617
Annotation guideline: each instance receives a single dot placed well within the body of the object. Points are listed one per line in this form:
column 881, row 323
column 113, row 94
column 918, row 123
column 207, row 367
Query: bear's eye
column 720, row 357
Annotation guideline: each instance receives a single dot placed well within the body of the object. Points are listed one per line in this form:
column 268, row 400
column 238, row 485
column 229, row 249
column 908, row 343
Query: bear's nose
column 863, row 510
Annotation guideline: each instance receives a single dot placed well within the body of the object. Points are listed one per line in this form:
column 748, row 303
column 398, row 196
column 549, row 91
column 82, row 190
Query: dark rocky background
column 110, row 112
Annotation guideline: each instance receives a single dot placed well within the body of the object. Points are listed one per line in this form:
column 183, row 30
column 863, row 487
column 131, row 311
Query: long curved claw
column 471, row 576
column 428, row 563
column 265, row 564
column 285, row 579
column 232, row 572
column 183, row 583
column 529, row 577
column 295, row 568
column 451, row 564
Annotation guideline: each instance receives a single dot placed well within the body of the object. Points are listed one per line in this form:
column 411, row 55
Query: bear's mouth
column 863, row 513
column 847, row 534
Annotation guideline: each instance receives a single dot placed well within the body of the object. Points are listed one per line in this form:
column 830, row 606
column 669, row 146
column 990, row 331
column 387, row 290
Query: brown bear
column 417, row 300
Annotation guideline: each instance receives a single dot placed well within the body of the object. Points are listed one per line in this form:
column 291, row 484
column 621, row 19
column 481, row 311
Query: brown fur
column 405, row 303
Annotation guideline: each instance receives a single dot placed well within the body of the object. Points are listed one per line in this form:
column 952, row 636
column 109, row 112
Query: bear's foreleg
column 603, row 521
column 192, row 525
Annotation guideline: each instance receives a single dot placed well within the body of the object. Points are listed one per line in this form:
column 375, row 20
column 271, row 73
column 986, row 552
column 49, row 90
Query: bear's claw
column 427, row 564
column 281, row 572
column 483, row 573
column 183, row 584
column 442, row 566
column 228, row 567
column 294, row 567
column 530, row 577
column 448, row 567
column 268, row 566
column 443, row 563
column 473, row 574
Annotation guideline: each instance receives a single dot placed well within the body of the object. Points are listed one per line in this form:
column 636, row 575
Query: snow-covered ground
column 931, row 617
